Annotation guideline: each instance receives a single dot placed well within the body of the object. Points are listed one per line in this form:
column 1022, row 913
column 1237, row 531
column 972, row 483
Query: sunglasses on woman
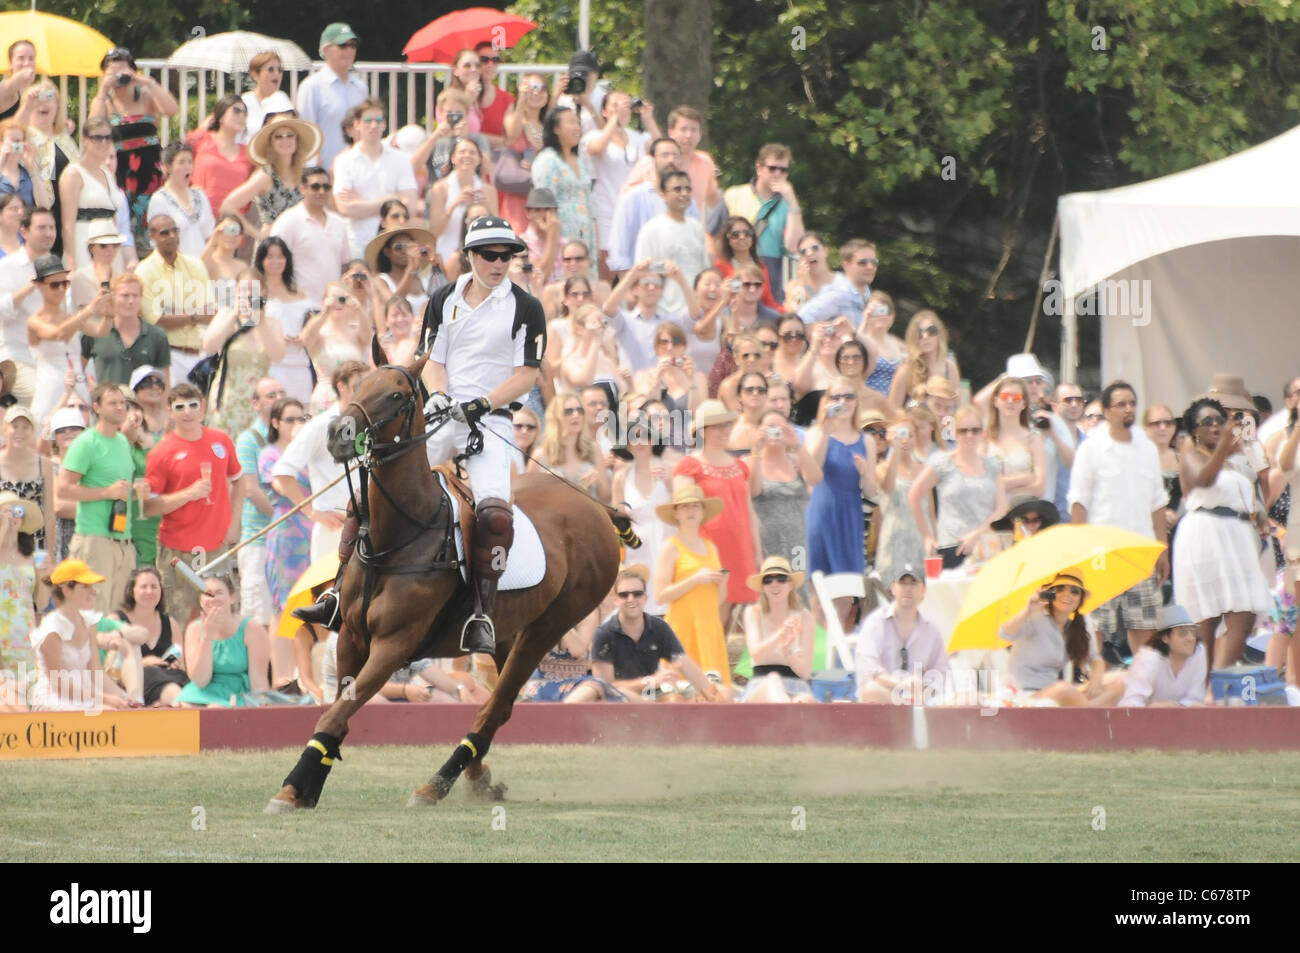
column 775, row 577
column 525, row 426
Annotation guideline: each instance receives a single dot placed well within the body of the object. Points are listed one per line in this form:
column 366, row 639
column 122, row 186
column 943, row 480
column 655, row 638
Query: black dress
column 158, row 677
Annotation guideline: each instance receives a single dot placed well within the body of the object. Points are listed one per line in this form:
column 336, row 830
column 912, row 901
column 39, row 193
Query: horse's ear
column 377, row 352
column 416, row 367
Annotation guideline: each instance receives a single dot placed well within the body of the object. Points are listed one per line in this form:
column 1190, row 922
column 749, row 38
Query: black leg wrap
column 313, row 767
column 474, row 746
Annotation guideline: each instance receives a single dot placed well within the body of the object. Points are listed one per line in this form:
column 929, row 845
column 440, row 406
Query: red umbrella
column 442, row 39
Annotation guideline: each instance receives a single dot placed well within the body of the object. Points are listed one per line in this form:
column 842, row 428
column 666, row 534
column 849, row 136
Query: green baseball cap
column 338, row 33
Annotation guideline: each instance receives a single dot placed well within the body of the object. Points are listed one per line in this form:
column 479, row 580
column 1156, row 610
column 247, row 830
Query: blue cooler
column 1248, row 685
column 834, row 685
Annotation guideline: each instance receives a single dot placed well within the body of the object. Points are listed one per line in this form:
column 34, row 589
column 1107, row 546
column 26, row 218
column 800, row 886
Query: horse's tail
column 623, row 523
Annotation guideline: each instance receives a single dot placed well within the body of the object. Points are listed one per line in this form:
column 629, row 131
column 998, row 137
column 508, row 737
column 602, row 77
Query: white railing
column 409, row 88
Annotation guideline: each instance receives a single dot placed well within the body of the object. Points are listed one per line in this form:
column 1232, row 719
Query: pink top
column 214, row 173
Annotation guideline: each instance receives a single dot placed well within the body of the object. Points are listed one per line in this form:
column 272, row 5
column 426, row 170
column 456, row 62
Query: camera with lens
column 577, row 82
column 1047, row 596
column 453, row 118
column 123, row 79
column 1043, row 422
column 637, row 103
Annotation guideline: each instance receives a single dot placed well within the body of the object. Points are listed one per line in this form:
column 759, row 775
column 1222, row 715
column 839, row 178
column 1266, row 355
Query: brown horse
column 402, row 600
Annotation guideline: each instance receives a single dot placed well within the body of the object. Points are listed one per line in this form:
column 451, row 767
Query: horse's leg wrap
column 313, row 767
column 494, row 532
column 325, row 611
column 472, row 748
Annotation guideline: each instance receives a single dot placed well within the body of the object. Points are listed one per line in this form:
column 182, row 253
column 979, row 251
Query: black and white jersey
column 481, row 347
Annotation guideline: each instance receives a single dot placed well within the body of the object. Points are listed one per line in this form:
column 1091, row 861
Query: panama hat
column 775, row 566
column 103, row 231
column 74, row 570
column 1173, row 616
column 688, row 494
column 33, row 519
column 421, row 236
column 1230, row 391
column 712, row 412
column 310, row 138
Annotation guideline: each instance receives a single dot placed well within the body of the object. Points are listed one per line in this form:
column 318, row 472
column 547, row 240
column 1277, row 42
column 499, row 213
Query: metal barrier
column 410, row 89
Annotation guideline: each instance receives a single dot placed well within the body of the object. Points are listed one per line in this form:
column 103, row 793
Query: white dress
column 449, row 241
column 649, row 527
column 1216, row 558
column 294, row 371
column 51, row 368
column 96, row 193
column 75, row 675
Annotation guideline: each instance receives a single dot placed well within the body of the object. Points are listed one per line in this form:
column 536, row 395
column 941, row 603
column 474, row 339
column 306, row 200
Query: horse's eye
column 396, row 395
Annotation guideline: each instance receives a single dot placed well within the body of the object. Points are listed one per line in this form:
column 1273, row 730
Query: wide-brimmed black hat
column 1023, row 504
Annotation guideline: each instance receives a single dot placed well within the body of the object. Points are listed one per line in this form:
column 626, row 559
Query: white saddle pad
column 526, row 561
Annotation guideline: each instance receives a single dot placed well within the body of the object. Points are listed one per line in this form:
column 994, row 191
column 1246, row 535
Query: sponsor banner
column 124, row 734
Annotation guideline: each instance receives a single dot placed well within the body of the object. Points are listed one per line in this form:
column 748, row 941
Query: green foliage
column 617, row 36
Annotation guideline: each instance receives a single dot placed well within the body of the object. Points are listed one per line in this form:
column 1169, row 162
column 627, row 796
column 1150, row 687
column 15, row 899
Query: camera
column 773, row 433
column 734, row 285
column 230, row 229
column 340, row 299
column 1043, row 423
column 527, row 268
column 257, row 302
column 657, row 266
column 834, row 410
column 19, row 510
column 577, row 82
column 1047, row 596
column 454, row 118
column 904, row 433
column 679, row 361
column 637, row 103
column 123, row 79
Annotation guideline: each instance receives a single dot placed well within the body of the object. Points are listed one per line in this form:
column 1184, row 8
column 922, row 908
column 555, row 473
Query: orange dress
column 730, row 530
column 694, row 617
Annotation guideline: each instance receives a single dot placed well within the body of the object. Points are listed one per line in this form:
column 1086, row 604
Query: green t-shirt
column 101, row 461
column 144, row 529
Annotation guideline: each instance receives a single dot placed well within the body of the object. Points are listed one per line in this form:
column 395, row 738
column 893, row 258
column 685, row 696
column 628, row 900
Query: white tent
column 1219, row 246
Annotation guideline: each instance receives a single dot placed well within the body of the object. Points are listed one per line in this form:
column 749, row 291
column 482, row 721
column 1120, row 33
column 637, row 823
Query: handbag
column 509, row 174
column 205, row 371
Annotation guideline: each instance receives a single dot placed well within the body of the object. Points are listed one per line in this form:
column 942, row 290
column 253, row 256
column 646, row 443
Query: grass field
column 657, row 804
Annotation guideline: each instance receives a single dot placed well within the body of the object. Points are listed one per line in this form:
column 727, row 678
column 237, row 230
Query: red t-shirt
column 174, row 464
column 216, row 175
column 494, row 116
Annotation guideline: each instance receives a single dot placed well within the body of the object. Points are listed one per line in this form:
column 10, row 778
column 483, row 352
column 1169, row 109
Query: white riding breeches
column 489, row 471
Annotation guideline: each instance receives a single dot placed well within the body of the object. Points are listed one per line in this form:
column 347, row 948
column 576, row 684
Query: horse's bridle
column 364, row 444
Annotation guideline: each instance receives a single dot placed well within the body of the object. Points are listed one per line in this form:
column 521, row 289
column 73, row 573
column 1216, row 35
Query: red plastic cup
column 933, row 566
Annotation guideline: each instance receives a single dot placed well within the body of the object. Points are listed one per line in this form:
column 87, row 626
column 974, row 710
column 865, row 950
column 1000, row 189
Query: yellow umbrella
column 63, row 47
column 1108, row 560
column 321, row 572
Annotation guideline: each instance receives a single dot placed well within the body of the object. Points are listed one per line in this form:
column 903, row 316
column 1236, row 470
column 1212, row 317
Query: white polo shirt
column 636, row 334
column 15, row 271
column 481, row 347
column 308, row 452
column 370, row 179
column 319, row 251
column 1119, row 483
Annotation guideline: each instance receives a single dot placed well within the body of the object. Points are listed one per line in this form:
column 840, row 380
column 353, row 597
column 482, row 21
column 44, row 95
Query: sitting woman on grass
column 779, row 635
column 1169, row 672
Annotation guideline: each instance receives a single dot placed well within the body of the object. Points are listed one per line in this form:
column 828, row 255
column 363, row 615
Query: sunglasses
column 284, row 135
column 100, row 137
column 372, row 120
column 295, row 420
column 932, row 331
column 574, row 257
column 359, row 277
column 867, row 261
column 57, row 285
column 1093, row 416
column 573, row 411
column 1072, row 590
column 1011, row 397
column 580, row 294
column 1163, row 422
column 1212, row 420
column 150, row 381
column 970, row 431
column 753, row 389
column 876, row 431
column 752, row 285
column 793, row 336
column 844, row 397
column 1073, row 400
column 775, row 577
column 489, row 59
column 740, row 233
column 784, row 169
column 183, row 405
column 488, row 255
column 349, row 45
column 319, row 187
column 668, row 341
column 810, row 250
column 631, row 594
column 525, row 426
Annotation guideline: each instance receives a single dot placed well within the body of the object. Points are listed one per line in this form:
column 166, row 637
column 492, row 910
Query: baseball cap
column 906, row 569
column 74, row 570
column 66, row 417
column 18, row 410
column 584, row 59
column 140, row 373
column 541, row 198
column 338, row 33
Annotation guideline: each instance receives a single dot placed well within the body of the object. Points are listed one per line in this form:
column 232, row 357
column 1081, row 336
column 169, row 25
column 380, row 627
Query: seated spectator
column 898, row 646
column 20, row 520
column 690, row 579
column 69, row 674
column 563, row 675
column 927, row 356
column 182, row 202
column 638, row 655
column 568, row 450
column 1051, row 634
column 969, row 494
column 225, row 656
column 779, row 633
column 144, row 605
column 1169, row 671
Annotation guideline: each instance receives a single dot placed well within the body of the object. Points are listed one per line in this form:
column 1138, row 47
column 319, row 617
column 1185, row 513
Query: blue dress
column 882, row 375
column 288, row 546
column 835, row 523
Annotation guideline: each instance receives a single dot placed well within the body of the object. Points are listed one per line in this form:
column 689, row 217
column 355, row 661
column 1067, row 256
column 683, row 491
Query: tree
column 678, row 65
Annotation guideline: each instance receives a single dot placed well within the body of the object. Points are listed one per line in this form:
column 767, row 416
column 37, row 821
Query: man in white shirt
column 636, row 327
column 307, row 452
column 639, row 204
column 898, row 646
column 1115, row 481
column 674, row 237
column 317, row 238
column 19, row 299
column 326, row 95
column 368, row 175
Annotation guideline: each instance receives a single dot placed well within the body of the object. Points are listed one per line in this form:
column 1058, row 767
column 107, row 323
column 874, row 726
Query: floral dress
column 34, row 492
column 246, row 363
column 17, row 619
column 139, row 170
column 288, row 546
column 278, row 199
column 577, row 209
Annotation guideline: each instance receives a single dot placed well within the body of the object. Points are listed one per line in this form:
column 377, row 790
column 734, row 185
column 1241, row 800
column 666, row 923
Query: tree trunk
column 678, row 62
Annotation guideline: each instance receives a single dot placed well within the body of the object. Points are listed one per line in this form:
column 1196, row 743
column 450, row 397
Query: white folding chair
column 838, row 585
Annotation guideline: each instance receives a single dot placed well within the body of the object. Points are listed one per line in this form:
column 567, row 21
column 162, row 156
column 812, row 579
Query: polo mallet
column 195, row 577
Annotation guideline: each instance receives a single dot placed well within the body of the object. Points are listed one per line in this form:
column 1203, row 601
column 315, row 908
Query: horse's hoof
column 427, row 795
column 483, row 789
column 278, row 806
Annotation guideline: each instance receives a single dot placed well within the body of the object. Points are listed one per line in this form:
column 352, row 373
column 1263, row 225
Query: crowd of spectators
column 181, row 324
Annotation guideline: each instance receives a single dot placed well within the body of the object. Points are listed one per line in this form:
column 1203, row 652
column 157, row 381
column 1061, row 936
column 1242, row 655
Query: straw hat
column 309, row 139
column 1230, row 391
column 870, row 415
column 712, row 412
column 33, row 519
column 421, row 236
column 775, row 566
column 640, row 570
column 688, row 494
column 936, row 385
column 103, row 231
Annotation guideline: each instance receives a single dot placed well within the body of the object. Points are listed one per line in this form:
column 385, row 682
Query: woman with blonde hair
column 44, row 112
column 900, row 541
column 690, row 580
column 279, row 152
column 779, row 633
column 1009, row 440
column 887, row 351
column 925, row 431
column 527, row 430
column 568, row 450
column 927, row 354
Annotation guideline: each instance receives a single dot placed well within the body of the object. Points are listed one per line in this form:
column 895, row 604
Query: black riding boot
column 325, row 610
column 494, row 531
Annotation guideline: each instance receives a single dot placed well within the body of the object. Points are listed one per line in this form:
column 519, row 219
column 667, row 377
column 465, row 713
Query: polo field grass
column 590, row 803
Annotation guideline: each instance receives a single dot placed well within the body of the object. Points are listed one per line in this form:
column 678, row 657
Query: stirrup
column 484, row 642
column 323, row 612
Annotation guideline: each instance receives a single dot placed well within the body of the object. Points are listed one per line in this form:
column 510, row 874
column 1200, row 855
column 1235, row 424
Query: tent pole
column 1038, row 293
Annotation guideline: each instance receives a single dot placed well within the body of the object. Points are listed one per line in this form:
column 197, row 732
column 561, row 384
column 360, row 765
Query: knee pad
column 494, row 532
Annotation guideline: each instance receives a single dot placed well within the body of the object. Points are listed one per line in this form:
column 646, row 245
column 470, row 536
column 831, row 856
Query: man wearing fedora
column 19, row 299
column 326, row 95
column 1116, row 481
column 898, row 644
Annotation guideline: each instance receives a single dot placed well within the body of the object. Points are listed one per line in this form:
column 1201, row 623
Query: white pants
column 254, row 591
column 489, row 471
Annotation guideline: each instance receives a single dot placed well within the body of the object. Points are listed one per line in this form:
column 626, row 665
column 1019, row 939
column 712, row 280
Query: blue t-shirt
column 248, row 445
